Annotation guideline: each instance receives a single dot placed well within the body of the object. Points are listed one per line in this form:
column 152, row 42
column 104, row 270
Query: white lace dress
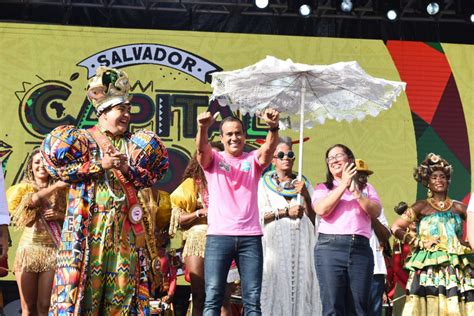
column 290, row 285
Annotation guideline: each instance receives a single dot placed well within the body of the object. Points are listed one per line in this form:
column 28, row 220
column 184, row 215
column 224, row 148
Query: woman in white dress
column 289, row 285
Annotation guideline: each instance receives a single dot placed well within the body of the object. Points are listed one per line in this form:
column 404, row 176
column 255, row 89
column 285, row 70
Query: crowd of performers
column 96, row 229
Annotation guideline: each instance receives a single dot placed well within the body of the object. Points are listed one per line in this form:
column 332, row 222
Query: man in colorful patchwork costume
column 102, row 263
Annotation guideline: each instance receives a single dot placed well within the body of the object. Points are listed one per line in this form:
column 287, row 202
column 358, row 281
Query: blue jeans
column 344, row 265
column 248, row 255
column 376, row 294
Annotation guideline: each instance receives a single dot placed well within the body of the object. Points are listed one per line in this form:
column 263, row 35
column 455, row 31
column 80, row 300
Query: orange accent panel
column 426, row 72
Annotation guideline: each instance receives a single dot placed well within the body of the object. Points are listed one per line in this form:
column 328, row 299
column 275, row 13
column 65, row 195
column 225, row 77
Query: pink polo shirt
column 233, row 184
column 348, row 217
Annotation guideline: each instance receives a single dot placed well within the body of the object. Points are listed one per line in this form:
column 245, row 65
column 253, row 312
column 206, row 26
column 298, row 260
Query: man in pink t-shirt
column 234, row 231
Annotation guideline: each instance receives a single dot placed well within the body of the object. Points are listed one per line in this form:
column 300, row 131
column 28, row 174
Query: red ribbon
column 128, row 188
column 54, row 230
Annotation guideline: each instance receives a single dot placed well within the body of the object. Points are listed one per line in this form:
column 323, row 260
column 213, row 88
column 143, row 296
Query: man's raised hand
column 271, row 117
column 206, row 119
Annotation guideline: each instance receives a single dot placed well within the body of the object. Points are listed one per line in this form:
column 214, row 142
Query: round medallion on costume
column 440, row 205
column 147, row 152
column 135, row 214
column 65, row 145
column 156, row 265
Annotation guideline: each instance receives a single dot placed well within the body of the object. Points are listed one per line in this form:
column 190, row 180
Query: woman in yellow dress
column 189, row 213
column 37, row 205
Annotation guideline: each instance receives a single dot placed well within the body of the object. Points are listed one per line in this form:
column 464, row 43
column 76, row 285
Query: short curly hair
column 432, row 163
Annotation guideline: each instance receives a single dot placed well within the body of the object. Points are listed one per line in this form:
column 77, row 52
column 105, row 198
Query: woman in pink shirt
column 344, row 259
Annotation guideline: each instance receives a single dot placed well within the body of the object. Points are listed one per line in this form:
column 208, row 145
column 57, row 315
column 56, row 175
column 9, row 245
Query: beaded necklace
column 287, row 189
column 440, row 205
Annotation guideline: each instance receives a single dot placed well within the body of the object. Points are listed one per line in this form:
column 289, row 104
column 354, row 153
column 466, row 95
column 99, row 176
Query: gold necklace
column 440, row 205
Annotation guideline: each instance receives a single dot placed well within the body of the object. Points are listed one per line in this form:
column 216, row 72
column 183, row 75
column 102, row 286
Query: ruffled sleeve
column 68, row 155
column 19, row 199
column 163, row 214
column 149, row 158
column 160, row 212
column 183, row 200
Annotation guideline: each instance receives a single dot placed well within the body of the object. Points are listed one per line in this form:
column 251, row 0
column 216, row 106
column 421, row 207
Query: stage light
column 261, row 4
column 392, row 15
column 305, row 10
column 465, row 10
column 390, row 8
column 432, row 8
column 346, row 6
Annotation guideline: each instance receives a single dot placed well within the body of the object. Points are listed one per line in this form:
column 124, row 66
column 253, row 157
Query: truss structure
column 451, row 11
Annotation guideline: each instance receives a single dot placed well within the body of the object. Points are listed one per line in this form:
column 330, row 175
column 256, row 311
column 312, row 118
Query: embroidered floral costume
column 441, row 266
column 443, row 274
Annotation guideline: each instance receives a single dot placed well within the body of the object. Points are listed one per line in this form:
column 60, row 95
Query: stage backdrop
column 44, row 72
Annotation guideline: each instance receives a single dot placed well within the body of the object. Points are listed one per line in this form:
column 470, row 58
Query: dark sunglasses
column 280, row 155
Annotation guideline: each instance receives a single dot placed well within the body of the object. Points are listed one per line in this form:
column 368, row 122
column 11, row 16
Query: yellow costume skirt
column 36, row 252
column 195, row 244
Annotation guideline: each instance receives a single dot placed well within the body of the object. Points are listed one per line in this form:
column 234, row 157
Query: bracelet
column 407, row 233
column 276, row 215
column 409, row 215
column 274, row 129
column 197, row 214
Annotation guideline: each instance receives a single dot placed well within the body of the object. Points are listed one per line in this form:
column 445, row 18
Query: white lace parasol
column 305, row 94
column 341, row 91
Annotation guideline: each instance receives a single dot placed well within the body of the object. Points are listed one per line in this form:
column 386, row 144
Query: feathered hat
column 108, row 88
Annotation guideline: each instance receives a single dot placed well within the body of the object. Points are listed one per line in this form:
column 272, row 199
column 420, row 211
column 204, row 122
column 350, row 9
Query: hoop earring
column 429, row 194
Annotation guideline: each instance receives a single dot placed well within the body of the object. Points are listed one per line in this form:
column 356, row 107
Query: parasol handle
column 300, row 149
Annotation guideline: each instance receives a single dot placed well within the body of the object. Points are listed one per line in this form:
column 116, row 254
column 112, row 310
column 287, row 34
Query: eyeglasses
column 280, row 155
column 336, row 157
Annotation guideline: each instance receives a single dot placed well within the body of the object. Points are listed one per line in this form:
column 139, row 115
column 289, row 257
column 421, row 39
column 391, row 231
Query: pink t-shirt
column 233, row 184
column 348, row 217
